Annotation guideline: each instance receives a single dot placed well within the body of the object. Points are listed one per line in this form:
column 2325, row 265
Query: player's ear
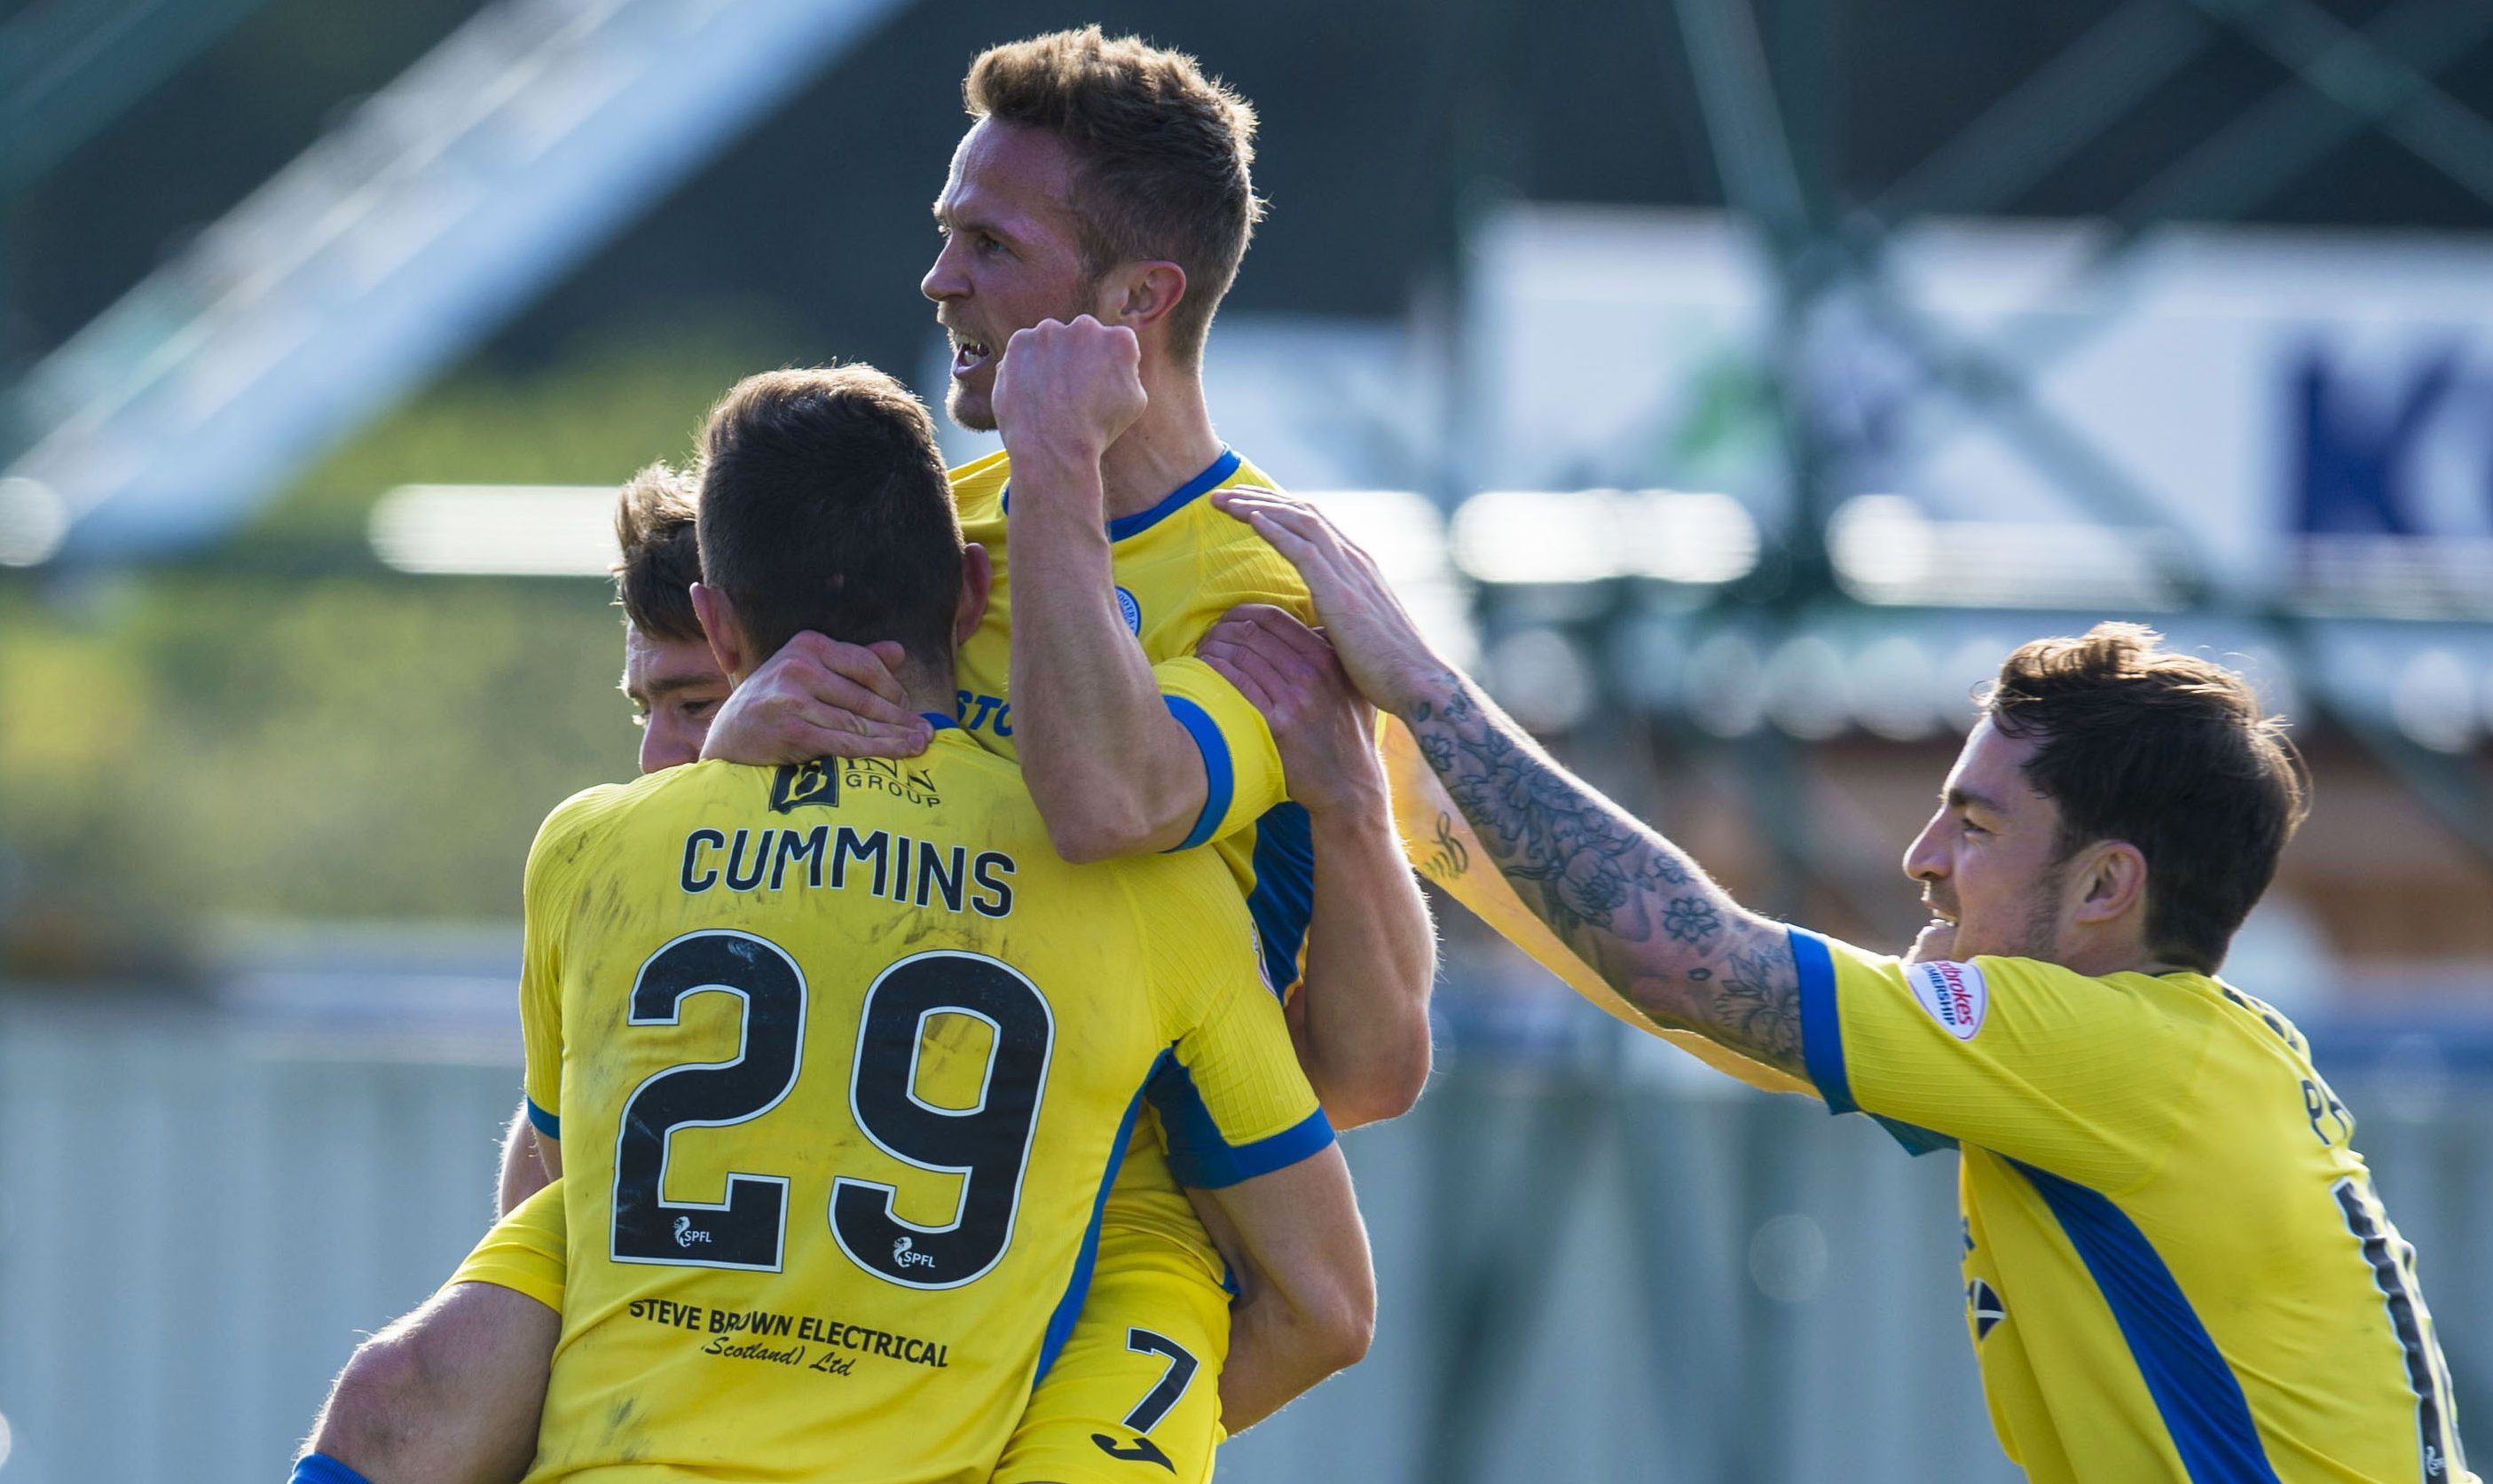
column 2110, row 880
column 977, row 580
column 1140, row 295
column 719, row 626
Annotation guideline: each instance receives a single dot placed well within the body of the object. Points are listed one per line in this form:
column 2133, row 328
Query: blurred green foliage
column 315, row 736
column 346, row 746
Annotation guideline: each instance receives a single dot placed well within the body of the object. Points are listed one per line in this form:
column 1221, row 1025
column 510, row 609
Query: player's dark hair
column 824, row 506
column 1161, row 155
column 2173, row 755
column 661, row 560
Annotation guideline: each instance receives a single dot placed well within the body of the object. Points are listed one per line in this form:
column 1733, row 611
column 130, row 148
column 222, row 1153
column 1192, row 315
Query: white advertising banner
column 2309, row 416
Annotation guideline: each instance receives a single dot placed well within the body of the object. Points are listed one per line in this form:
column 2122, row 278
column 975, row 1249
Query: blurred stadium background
column 1735, row 380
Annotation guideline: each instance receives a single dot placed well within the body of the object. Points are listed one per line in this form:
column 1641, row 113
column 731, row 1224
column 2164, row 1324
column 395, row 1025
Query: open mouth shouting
column 968, row 355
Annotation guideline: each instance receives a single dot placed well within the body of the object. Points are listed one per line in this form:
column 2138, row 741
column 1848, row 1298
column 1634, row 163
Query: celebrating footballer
column 933, row 1060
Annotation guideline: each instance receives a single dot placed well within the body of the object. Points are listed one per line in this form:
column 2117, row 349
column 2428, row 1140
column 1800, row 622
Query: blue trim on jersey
column 544, row 1122
column 2195, row 1391
column 1060, row 1324
column 939, row 721
column 321, row 1469
column 1916, row 1140
column 1202, row 1157
column 1821, row 1045
column 1284, row 897
column 1822, row 1028
column 1179, row 499
column 1220, row 776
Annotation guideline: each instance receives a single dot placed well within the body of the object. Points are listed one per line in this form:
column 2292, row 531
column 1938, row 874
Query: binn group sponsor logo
column 1954, row 993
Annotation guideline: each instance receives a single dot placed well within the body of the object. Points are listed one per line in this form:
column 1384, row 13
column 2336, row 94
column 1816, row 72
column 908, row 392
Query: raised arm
column 1112, row 770
column 1360, row 1018
column 1631, row 904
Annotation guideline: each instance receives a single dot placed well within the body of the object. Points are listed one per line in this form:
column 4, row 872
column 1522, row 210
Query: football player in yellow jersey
column 1094, row 216
column 1109, row 179
column 451, row 1393
column 1001, row 1051
column 2175, row 1265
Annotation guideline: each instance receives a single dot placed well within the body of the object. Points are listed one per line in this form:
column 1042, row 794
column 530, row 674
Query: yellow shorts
column 1134, row 1397
column 524, row 1251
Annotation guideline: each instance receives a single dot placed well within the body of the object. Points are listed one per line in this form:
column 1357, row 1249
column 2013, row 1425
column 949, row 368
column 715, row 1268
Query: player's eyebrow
column 661, row 686
column 955, row 222
column 669, row 685
column 1959, row 796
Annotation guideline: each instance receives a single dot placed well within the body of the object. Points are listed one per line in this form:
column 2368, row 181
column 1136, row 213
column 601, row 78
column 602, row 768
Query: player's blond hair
column 661, row 558
column 2168, row 751
column 1161, row 156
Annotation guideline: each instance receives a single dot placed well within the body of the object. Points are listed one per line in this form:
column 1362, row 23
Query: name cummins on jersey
column 842, row 1059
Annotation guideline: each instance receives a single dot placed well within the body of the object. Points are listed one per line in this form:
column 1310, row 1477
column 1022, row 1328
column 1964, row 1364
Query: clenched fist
column 1068, row 390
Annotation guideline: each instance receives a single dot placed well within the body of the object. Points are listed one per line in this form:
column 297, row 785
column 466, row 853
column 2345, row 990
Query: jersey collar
column 1180, row 498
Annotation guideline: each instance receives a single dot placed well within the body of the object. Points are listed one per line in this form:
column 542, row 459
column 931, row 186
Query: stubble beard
column 2042, row 935
column 2038, row 937
column 973, row 410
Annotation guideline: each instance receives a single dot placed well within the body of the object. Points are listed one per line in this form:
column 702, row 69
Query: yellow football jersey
column 842, row 1058
column 2176, row 1266
column 1179, row 567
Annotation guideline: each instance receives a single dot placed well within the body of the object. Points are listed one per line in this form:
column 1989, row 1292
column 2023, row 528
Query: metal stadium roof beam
column 1743, row 125
column 2277, row 139
column 2339, row 63
column 451, row 199
column 2053, row 114
column 67, row 72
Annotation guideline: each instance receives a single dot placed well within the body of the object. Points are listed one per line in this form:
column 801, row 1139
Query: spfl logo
column 685, row 1235
column 1132, row 610
column 1954, row 993
column 805, row 782
column 903, row 1256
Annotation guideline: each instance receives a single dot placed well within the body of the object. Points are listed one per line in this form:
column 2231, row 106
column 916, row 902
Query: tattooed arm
column 1628, row 901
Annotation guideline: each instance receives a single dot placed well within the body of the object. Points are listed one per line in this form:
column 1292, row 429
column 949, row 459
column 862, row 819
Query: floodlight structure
column 2342, row 80
column 1711, row 1353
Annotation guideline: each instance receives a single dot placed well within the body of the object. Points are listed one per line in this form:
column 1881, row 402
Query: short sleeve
column 1233, row 1101
column 2082, row 1077
column 1242, row 567
column 1242, row 765
column 562, row 841
column 524, row 1252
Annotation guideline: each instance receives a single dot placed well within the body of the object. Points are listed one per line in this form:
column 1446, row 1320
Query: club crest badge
column 795, row 785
